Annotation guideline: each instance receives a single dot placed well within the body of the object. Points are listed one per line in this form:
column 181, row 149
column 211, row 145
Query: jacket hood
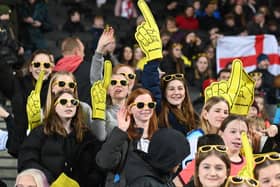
column 167, row 148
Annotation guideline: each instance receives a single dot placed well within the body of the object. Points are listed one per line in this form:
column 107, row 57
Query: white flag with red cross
column 247, row 48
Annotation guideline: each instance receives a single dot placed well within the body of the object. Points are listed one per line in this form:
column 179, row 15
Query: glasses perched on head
column 140, row 105
column 63, row 84
column 241, row 180
column 64, row 101
column 129, row 75
column 260, row 158
column 173, row 76
column 122, row 82
column 46, row 65
column 207, row 148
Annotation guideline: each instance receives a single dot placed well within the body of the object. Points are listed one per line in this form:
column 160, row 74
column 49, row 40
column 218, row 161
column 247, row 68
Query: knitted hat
column 262, row 57
column 4, row 9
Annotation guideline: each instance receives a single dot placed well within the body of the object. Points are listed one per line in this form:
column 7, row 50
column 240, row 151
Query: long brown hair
column 186, row 115
column 153, row 124
column 54, row 124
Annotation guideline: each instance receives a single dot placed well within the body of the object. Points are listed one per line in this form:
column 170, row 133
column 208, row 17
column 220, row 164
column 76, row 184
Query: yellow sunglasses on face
column 260, row 158
column 240, row 180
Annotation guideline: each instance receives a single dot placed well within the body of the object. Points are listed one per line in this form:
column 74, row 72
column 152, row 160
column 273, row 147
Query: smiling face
column 141, row 115
column 57, row 86
column 268, row 178
column 216, row 114
column 212, row 171
column 175, row 93
column 41, row 58
column 232, row 135
column 65, row 110
column 118, row 91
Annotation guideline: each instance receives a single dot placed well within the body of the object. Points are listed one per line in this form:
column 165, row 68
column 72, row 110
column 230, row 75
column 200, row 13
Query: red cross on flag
column 247, row 48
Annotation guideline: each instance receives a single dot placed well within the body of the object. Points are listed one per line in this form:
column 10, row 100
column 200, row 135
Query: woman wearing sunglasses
column 18, row 88
column 117, row 94
column 230, row 130
column 212, row 166
column 136, row 123
column 267, row 169
column 173, row 101
column 62, row 144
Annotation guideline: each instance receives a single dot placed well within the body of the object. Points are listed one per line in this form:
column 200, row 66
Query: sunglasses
column 207, row 148
column 129, row 75
column 46, row 65
column 255, row 74
column 260, row 158
column 241, row 180
column 63, row 84
column 141, row 105
column 173, row 76
column 122, row 82
column 63, row 102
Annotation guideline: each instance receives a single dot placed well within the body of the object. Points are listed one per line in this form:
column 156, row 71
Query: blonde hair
column 38, row 176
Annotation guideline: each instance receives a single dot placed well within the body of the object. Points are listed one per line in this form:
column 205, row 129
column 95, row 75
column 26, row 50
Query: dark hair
column 210, row 139
column 225, row 70
column 231, row 118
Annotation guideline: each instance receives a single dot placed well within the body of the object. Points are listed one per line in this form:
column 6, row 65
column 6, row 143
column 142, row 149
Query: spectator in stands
column 230, row 28
column 63, row 144
column 200, row 72
column 173, row 62
column 173, row 7
column 239, row 16
column 128, row 72
column 173, row 100
column 258, row 25
column 125, row 9
column 230, row 130
column 18, row 88
column 224, row 74
column 192, row 45
column 265, row 164
column 176, row 35
column 131, row 133
column 35, row 21
column 165, row 38
column 212, row 166
column 96, row 30
column 10, row 50
column 187, row 21
column 162, row 165
column 73, row 23
column 213, row 113
column 31, row 177
column 126, row 55
column 73, row 61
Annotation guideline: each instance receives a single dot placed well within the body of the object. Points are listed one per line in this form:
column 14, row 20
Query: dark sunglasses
column 140, row 105
column 207, row 148
column 63, row 102
column 129, row 75
column 260, row 158
column 122, row 82
column 63, row 84
column 46, row 65
column 241, row 180
column 173, row 76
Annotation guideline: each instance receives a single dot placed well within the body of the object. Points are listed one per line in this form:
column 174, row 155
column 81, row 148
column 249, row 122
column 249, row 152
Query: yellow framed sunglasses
column 170, row 77
column 260, row 158
column 207, row 148
column 240, row 180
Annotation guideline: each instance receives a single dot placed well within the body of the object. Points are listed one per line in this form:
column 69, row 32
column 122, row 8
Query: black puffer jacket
column 54, row 154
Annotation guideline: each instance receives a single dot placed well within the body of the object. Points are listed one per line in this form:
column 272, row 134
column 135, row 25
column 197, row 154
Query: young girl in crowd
column 63, row 144
column 212, row 166
column 267, row 169
column 136, row 124
column 230, row 130
column 173, row 101
column 18, row 88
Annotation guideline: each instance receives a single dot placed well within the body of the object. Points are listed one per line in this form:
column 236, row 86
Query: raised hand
column 105, row 39
column 147, row 34
column 99, row 93
column 33, row 106
column 123, row 119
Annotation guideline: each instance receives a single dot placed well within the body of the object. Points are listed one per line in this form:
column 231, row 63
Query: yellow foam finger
column 147, row 14
column 39, row 82
column 235, row 79
column 107, row 73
